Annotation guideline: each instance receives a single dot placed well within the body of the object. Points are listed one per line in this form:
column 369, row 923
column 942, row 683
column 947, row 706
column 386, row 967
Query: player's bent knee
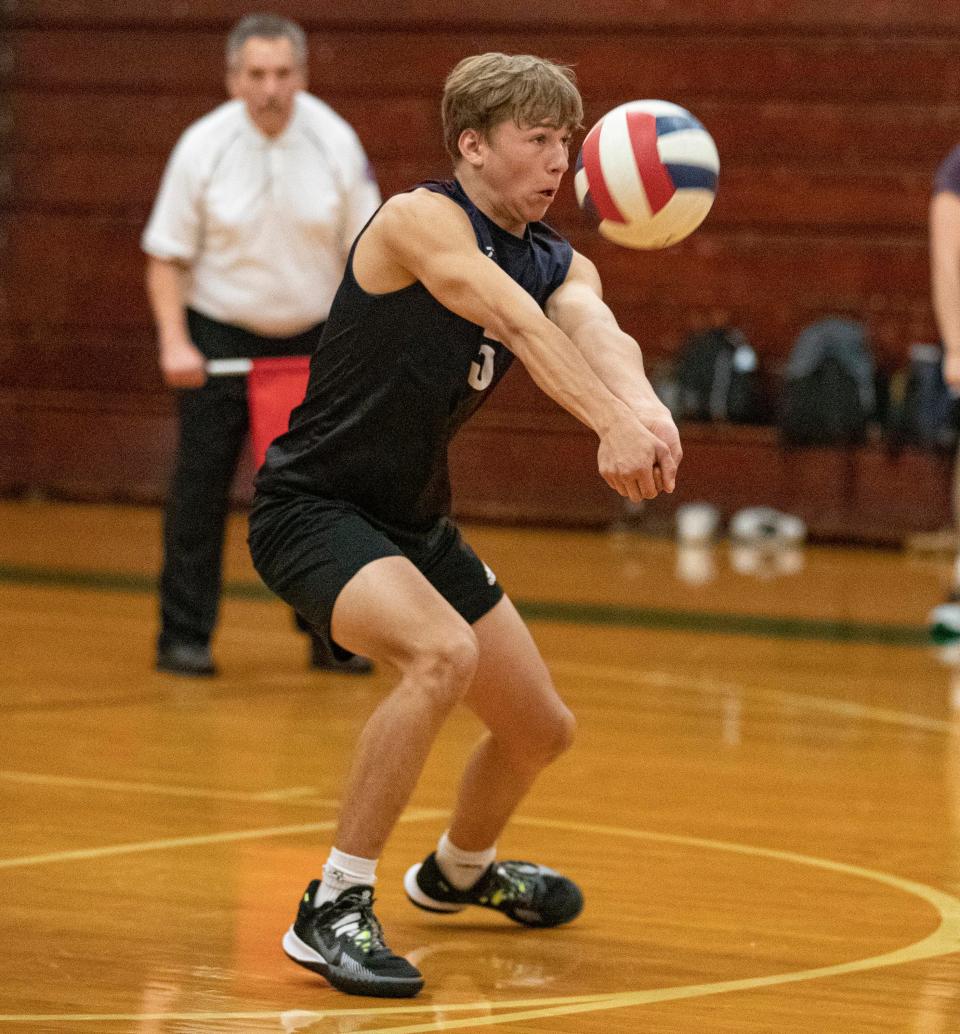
column 444, row 668
column 567, row 733
column 544, row 741
column 560, row 736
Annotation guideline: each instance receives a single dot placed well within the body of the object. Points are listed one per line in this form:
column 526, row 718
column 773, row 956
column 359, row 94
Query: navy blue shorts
column 306, row 549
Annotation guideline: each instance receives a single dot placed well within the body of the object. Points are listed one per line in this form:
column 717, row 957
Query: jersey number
column 481, row 369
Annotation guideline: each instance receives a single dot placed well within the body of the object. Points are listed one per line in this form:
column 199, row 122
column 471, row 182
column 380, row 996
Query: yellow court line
column 294, row 795
column 313, row 1015
column 930, row 947
column 143, row 846
column 831, row 705
column 944, row 940
column 290, row 795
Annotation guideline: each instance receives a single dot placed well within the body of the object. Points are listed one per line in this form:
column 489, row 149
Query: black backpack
column 718, row 378
column 828, row 390
column 923, row 410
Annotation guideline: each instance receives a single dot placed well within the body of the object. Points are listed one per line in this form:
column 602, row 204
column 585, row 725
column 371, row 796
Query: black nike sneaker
column 342, row 940
column 527, row 893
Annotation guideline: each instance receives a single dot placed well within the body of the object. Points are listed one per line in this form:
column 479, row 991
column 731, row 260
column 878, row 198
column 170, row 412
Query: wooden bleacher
column 830, row 120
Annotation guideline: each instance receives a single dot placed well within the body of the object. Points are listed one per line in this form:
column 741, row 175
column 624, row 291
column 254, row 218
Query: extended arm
column 181, row 362
column 577, row 307
column 425, row 237
column 945, row 279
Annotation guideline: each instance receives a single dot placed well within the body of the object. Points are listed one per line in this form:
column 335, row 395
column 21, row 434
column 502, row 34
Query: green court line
column 771, row 627
column 111, row 581
column 604, row 614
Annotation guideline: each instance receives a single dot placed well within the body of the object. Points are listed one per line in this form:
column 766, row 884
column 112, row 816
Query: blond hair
column 487, row 89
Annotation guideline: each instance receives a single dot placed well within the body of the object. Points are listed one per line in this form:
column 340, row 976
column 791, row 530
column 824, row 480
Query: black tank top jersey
column 393, row 379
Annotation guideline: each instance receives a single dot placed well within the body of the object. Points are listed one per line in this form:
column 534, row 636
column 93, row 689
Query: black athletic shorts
column 306, row 549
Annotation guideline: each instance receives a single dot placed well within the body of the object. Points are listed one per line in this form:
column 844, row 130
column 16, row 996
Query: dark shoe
column 322, row 659
column 186, row 659
column 529, row 894
column 342, row 940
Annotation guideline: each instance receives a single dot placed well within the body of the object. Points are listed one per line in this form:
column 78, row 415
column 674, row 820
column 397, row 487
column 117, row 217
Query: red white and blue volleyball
column 647, row 173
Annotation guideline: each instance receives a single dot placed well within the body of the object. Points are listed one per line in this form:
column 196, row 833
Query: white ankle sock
column 463, row 868
column 342, row 871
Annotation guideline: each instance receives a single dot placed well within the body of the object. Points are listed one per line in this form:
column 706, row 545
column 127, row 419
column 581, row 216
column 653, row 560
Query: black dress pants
column 214, row 421
column 213, row 427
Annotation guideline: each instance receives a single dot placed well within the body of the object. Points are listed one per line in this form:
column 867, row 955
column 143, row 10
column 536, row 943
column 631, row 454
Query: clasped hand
column 639, row 455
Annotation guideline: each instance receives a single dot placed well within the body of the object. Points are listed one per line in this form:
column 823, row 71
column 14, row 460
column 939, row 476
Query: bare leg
column 956, row 490
column 529, row 725
column 390, row 612
column 490, row 791
column 389, row 758
column 955, row 494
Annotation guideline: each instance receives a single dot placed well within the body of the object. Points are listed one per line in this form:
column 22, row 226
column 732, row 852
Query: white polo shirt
column 263, row 225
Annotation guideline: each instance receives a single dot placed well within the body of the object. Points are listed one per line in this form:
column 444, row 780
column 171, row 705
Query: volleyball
column 647, row 173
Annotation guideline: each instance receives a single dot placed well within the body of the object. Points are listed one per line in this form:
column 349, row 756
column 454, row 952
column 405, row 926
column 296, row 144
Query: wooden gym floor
column 762, row 805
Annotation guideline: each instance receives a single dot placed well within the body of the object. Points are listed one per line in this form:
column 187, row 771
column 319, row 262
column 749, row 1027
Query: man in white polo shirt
column 246, row 245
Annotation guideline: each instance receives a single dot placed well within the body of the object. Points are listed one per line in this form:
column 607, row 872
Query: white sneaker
column 697, row 523
column 764, row 524
column 944, row 621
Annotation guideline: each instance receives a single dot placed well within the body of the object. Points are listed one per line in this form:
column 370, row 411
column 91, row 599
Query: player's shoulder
column 581, row 266
column 579, row 275
column 423, row 220
column 421, row 204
